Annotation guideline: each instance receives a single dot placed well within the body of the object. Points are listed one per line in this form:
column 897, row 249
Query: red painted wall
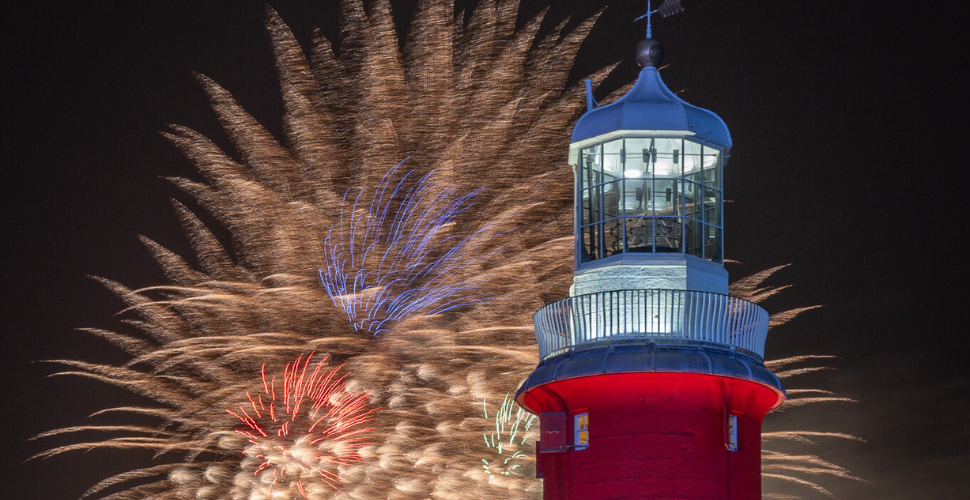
column 657, row 436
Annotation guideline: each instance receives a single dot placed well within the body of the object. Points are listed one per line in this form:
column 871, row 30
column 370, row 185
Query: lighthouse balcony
column 660, row 317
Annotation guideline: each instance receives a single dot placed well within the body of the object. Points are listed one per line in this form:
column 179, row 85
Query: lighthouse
column 651, row 382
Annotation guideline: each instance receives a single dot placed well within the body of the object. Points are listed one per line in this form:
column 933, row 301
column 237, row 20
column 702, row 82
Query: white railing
column 665, row 316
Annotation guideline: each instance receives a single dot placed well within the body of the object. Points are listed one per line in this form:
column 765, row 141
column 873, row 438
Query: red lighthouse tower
column 652, row 381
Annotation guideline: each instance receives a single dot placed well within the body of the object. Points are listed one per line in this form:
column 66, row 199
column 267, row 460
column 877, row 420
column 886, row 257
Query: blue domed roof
column 650, row 105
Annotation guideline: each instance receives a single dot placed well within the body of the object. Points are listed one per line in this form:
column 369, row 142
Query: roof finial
column 666, row 9
column 649, row 52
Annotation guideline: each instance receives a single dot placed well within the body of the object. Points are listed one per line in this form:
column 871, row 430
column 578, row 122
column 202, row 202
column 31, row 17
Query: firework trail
column 801, row 470
column 440, row 325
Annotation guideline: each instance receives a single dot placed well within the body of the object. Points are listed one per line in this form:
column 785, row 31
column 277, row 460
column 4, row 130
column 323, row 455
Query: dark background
column 848, row 119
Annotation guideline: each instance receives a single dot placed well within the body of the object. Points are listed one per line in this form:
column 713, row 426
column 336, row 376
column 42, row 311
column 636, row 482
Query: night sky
column 848, row 119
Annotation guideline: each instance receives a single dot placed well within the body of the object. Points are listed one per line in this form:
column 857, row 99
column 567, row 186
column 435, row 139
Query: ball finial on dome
column 650, row 53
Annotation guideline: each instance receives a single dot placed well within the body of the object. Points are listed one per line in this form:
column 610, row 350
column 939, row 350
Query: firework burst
column 481, row 108
column 512, row 440
column 390, row 258
column 298, row 435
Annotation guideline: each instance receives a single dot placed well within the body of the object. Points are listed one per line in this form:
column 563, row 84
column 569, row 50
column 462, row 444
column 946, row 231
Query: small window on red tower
column 732, row 433
column 581, row 431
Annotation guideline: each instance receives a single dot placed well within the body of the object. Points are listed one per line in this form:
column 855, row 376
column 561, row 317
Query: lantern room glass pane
column 637, row 157
column 694, row 238
column 591, row 171
column 669, row 231
column 612, row 166
column 612, row 237
column 712, row 244
column 637, row 196
column 590, row 205
column 611, row 199
column 712, row 207
column 712, row 167
column 666, row 197
column 692, row 160
column 639, row 234
column 667, row 158
column 692, row 200
column 589, row 247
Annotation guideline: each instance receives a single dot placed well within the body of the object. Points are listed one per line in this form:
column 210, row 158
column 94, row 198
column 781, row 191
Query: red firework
column 315, row 426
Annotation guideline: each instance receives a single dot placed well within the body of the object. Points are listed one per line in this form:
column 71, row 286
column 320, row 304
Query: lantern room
column 645, row 194
column 649, row 190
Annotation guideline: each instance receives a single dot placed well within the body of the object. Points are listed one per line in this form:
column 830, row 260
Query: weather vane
column 666, row 9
